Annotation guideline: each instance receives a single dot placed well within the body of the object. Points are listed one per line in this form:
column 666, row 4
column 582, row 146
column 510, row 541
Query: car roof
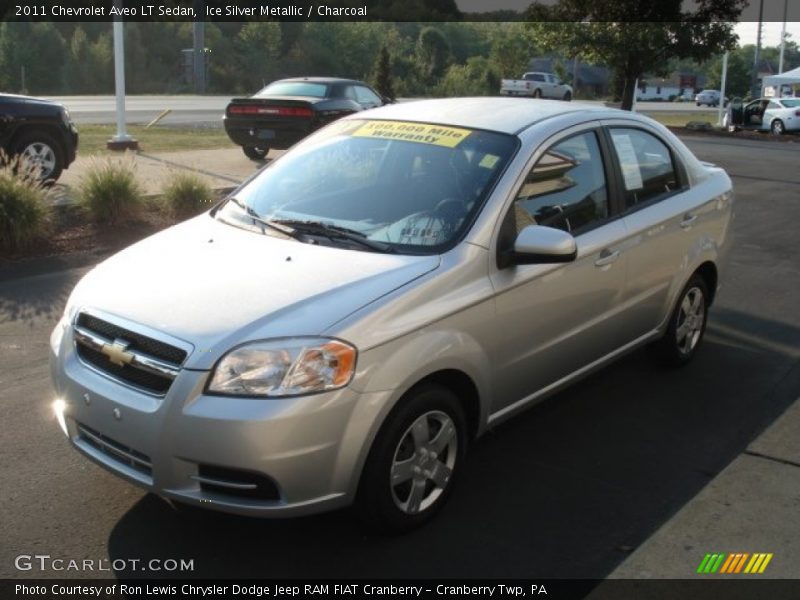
column 506, row 115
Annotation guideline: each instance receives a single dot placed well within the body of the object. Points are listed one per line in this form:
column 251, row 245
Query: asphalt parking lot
column 568, row 489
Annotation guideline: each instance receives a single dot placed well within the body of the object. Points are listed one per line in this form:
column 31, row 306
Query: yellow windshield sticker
column 421, row 133
column 489, row 161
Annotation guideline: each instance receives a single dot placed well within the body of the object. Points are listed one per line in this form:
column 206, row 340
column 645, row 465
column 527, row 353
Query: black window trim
column 677, row 166
column 607, row 171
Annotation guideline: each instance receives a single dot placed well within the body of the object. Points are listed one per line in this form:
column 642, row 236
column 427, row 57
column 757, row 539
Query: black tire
column 387, row 507
column 255, row 152
column 44, row 152
column 679, row 346
column 777, row 127
column 537, row 93
column 567, row 97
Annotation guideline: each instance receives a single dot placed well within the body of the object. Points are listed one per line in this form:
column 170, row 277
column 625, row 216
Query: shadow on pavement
column 566, row 489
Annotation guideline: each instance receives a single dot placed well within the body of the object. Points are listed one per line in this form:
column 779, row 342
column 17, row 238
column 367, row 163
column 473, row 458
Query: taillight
column 797, row 113
column 279, row 111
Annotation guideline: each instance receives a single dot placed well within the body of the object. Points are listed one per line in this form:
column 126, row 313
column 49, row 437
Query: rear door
column 661, row 217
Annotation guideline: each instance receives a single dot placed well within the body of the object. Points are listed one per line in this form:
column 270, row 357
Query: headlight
column 285, row 367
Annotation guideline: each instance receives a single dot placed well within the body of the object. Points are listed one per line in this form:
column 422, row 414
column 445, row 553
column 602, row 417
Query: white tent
column 787, row 78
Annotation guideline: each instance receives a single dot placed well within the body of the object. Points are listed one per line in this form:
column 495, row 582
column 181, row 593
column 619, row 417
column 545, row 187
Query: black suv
column 40, row 131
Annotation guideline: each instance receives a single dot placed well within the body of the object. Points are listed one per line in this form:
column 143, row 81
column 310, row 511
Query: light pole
column 722, row 89
column 121, row 141
column 783, row 35
column 755, row 92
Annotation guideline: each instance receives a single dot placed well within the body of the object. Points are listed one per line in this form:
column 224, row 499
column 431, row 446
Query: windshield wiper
column 334, row 232
column 267, row 223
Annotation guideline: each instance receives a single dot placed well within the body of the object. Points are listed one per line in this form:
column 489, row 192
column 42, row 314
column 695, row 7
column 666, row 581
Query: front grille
column 116, row 451
column 136, row 377
column 137, row 341
column 236, row 483
column 154, row 367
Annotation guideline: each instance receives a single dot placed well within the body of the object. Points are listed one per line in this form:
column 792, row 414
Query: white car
column 537, row 85
column 777, row 115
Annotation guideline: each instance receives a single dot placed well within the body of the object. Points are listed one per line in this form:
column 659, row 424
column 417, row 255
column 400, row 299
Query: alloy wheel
column 423, row 462
column 691, row 317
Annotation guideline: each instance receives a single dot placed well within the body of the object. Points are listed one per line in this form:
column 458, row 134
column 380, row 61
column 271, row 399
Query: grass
column 186, row 194
column 679, row 119
column 109, row 190
column 93, row 138
column 23, row 211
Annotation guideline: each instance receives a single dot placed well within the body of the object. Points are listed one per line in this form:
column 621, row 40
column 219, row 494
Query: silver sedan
column 345, row 324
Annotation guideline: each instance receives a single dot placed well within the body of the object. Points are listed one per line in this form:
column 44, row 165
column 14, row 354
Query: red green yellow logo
column 734, row 563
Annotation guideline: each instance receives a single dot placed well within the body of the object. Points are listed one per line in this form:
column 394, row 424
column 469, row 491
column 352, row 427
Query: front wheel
column 686, row 325
column 567, row 96
column 40, row 153
column 777, row 127
column 255, row 152
column 416, row 455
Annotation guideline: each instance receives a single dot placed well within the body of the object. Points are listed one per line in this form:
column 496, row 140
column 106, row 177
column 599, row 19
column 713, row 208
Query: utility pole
column 755, row 91
column 121, row 141
column 199, row 62
column 783, row 35
column 722, row 89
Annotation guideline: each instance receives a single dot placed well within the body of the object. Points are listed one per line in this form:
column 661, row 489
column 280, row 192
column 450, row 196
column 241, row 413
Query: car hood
column 214, row 286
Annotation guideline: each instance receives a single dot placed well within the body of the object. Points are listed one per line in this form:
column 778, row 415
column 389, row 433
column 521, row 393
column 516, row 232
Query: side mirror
column 387, row 100
column 542, row 245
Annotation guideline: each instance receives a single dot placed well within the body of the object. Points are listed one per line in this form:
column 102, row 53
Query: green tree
column 39, row 48
column 512, row 49
column 382, row 74
column 738, row 78
column 633, row 37
column 474, row 78
column 259, row 47
column 433, row 53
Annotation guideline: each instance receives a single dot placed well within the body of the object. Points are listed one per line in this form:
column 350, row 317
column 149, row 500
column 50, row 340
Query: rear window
column 791, row 103
column 295, row 88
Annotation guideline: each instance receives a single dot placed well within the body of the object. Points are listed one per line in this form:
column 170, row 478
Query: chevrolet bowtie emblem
column 116, row 352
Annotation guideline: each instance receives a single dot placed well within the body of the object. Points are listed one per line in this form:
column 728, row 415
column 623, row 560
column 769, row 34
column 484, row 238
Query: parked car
column 343, row 326
column 709, row 97
column 286, row 111
column 537, row 85
column 778, row 115
column 41, row 132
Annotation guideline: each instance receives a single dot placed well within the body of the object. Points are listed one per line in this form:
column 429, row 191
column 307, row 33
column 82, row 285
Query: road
column 208, row 110
column 567, row 489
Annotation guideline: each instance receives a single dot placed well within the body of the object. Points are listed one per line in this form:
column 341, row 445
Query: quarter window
column 366, row 96
column 648, row 171
column 566, row 189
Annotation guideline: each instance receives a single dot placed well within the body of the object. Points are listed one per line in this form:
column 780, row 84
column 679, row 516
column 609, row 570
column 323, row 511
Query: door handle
column 688, row 221
column 606, row 258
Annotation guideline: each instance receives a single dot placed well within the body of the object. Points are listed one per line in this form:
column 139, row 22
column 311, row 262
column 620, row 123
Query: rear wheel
column 41, row 153
column 410, row 470
column 777, row 127
column 567, row 96
column 687, row 324
column 255, row 152
column 537, row 93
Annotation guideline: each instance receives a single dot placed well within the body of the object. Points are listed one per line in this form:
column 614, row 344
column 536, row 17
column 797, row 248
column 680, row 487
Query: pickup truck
column 537, row 85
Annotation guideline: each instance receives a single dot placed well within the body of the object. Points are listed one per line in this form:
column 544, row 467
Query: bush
column 23, row 210
column 109, row 190
column 186, row 195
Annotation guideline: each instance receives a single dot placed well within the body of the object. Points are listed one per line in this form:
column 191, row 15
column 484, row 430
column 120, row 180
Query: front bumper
column 311, row 448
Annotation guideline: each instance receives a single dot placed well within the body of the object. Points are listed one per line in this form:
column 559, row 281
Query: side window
column 773, row 105
column 566, row 189
column 367, row 97
column 537, row 77
column 350, row 93
column 648, row 171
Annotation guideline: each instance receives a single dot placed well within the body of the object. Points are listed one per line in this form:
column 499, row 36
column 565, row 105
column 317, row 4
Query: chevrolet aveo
column 342, row 326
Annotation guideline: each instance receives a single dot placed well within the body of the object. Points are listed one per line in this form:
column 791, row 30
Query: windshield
column 412, row 187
